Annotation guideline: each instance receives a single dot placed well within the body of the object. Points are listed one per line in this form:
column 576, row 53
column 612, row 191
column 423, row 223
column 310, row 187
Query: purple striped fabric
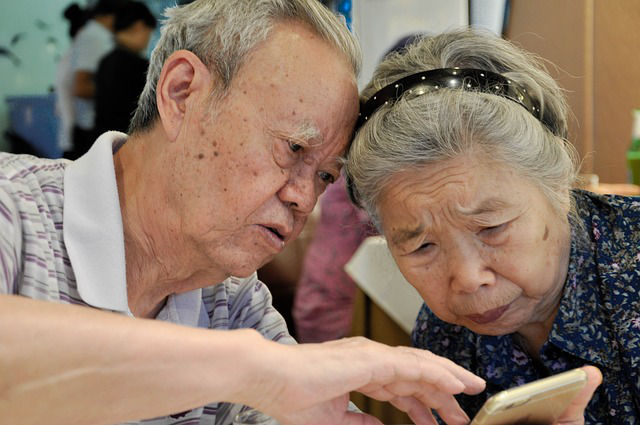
column 31, row 247
column 35, row 263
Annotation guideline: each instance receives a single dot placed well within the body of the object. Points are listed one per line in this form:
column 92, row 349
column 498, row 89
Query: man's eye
column 327, row 178
column 295, row 147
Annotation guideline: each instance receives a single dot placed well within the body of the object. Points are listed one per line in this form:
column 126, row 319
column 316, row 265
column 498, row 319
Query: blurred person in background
column 323, row 305
column 77, row 18
column 90, row 45
column 122, row 73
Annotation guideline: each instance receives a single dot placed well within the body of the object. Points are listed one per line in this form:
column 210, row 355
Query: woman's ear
column 184, row 78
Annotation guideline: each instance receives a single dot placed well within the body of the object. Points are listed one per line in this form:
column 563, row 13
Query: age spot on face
column 546, row 233
column 200, row 155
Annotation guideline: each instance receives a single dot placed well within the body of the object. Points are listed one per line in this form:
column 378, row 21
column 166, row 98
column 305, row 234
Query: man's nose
column 300, row 191
column 468, row 269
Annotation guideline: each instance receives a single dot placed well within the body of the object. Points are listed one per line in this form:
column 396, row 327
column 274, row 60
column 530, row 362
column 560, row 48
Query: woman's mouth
column 488, row 316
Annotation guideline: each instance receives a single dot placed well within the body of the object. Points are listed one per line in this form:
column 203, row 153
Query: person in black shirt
column 122, row 73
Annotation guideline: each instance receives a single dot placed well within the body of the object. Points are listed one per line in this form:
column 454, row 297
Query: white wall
column 488, row 14
column 380, row 23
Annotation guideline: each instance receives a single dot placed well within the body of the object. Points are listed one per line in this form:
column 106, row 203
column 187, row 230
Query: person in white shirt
column 77, row 18
column 90, row 45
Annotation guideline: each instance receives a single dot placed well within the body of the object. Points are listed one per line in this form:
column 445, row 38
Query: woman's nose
column 468, row 269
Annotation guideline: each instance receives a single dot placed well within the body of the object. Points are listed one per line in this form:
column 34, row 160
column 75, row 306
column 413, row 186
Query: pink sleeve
column 323, row 305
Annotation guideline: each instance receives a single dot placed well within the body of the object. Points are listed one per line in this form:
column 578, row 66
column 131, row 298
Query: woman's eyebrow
column 488, row 205
column 401, row 236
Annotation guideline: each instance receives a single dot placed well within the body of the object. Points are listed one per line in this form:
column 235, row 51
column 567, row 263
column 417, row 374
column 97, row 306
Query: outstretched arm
column 65, row 364
column 313, row 387
column 83, row 366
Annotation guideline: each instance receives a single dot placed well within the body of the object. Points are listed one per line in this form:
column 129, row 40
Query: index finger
column 473, row 384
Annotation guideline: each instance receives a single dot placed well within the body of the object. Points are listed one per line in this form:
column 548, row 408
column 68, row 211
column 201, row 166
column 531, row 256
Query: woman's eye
column 494, row 230
column 423, row 248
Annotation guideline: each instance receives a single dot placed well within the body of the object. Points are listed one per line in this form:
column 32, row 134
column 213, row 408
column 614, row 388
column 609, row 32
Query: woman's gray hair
column 223, row 32
column 418, row 130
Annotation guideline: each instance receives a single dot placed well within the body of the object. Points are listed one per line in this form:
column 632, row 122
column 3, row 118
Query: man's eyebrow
column 307, row 131
column 489, row 205
column 401, row 236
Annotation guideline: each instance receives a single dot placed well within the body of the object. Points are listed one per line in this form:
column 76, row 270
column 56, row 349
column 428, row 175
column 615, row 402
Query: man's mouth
column 272, row 237
column 276, row 232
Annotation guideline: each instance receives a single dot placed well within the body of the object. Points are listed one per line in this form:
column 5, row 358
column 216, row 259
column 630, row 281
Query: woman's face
column 482, row 245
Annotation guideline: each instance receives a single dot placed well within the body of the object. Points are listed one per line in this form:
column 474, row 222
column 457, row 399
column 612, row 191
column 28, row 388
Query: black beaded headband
column 451, row 78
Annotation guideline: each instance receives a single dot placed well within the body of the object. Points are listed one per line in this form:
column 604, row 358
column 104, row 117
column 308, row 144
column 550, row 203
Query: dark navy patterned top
column 598, row 321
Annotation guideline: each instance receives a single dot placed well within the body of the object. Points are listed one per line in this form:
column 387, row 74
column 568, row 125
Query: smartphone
column 539, row 402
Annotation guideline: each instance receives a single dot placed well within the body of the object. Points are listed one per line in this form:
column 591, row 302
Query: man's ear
column 183, row 80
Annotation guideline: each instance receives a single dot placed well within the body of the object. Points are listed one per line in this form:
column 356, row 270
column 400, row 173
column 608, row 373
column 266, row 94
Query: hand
column 312, row 382
column 574, row 415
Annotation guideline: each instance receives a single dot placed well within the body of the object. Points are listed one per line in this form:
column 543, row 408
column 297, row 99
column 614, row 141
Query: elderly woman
column 461, row 159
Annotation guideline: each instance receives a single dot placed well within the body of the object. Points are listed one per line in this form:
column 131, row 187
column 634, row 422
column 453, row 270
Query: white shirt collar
column 92, row 226
column 94, row 237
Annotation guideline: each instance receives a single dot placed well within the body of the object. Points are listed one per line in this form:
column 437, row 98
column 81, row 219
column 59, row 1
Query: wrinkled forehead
column 464, row 186
column 310, row 85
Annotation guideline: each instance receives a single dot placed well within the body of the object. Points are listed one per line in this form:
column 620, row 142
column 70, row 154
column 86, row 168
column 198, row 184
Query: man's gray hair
column 418, row 130
column 223, row 32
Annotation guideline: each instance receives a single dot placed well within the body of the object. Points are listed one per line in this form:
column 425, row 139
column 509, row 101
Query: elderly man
column 247, row 108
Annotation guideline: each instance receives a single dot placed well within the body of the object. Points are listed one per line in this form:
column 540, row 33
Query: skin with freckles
column 252, row 149
column 228, row 180
column 481, row 244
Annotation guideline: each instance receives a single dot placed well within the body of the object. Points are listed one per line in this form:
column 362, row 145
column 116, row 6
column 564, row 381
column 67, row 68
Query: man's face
column 482, row 245
column 248, row 170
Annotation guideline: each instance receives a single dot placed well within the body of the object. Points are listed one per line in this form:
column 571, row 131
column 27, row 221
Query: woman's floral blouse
column 598, row 321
